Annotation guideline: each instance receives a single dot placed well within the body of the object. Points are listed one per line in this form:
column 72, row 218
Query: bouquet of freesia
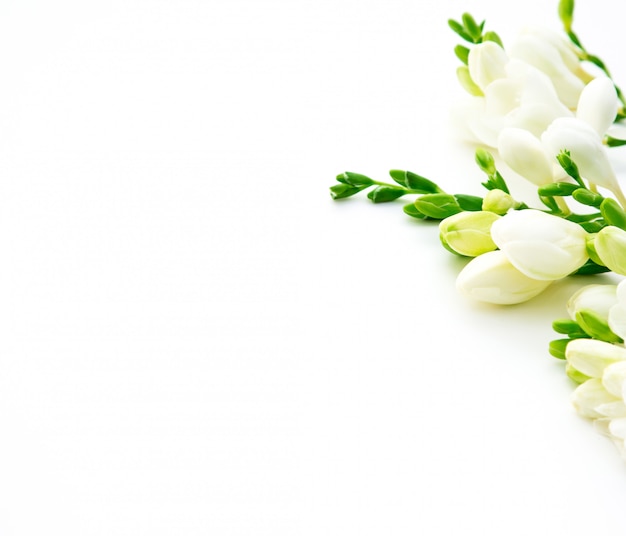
column 550, row 111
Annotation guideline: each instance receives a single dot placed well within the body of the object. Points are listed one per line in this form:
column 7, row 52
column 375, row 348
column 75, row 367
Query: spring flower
column 491, row 278
column 595, row 299
column 617, row 313
column 468, row 233
column 591, row 356
column 539, row 245
column 553, row 56
column 610, row 245
column 515, row 94
column 498, row 201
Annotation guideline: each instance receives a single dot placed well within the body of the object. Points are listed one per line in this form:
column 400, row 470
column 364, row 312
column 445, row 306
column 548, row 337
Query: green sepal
column 557, row 348
column 354, row 179
column 614, row 142
column 411, row 210
column 560, row 189
column 341, row 191
column 494, row 37
column 472, row 28
column 596, row 326
column 568, row 327
column 587, row 197
column 591, row 268
column 565, row 160
column 459, row 29
column 566, row 13
column 590, row 246
column 438, row 206
column 465, row 79
column 415, row 182
column 384, row 194
column 613, row 213
column 550, row 203
column 471, row 203
column 575, row 374
column 485, row 161
column 462, row 53
column 593, row 226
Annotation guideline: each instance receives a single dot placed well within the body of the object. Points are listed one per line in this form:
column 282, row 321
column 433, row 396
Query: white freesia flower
column 526, row 155
column 487, row 63
column 539, row 245
column 601, row 397
column 468, row 233
column 557, row 61
column 492, row 278
column 521, row 97
column 598, row 104
column 597, row 298
column 586, row 149
column 591, row 356
column 610, row 245
column 617, row 313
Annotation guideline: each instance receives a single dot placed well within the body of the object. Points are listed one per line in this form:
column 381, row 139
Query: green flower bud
column 610, row 245
column 437, row 206
column 499, row 202
column 468, row 233
column 485, row 161
column 566, row 13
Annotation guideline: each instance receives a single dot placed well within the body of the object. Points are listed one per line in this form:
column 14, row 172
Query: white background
column 195, row 340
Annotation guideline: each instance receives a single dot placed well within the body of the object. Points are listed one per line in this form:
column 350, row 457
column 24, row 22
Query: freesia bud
column 539, row 245
column 492, row 278
column 589, row 396
column 487, row 63
column 586, row 149
column 468, row 233
column 598, row 104
column 525, row 155
column 596, row 298
column 542, row 54
column 614, row 378
column 617, row 313
column 591, row 357
column 610, row 245
column 498, row 201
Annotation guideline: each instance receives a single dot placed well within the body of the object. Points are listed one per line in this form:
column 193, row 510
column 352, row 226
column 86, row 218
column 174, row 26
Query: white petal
column 486, row 63
column 588, row 396
column 592, row 357
column 614, row 378
column 525, row 155
column 598, row 104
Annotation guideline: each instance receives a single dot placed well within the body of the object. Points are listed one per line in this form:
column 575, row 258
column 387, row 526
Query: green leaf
column 560, row 189
column 438, row 206
column 341, row 191
column 613, row 213
column 469, row 202
column 557, row 348
column 587, row 197
column 462, row 53
column 384, row 194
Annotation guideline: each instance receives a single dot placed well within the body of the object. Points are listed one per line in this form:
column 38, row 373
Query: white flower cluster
column 534, row 100
column 601, row 365
column 534, row 103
